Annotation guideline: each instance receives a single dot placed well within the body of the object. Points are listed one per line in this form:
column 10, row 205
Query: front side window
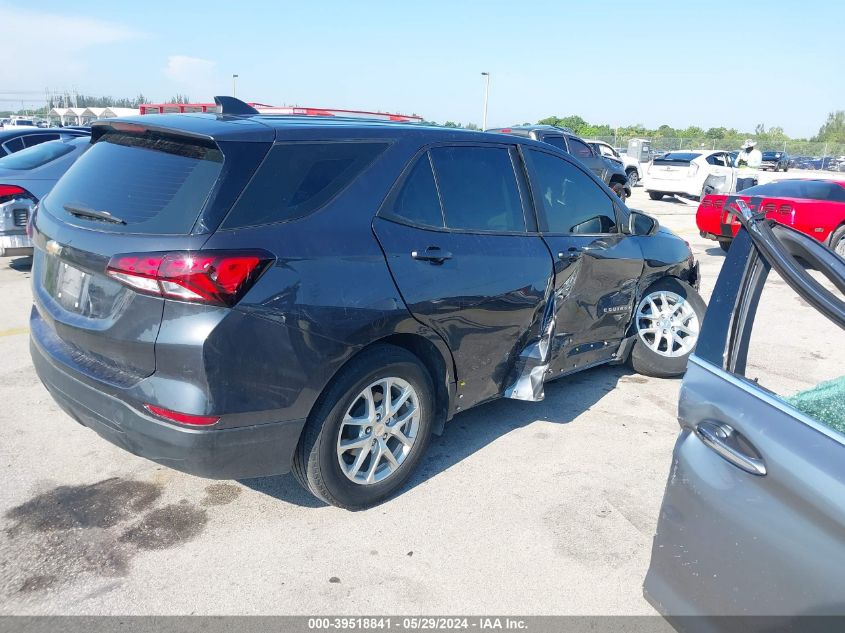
column 417, row 200
column 804, row 368
column 478, row 188
column 298, row 178
column 570, row 201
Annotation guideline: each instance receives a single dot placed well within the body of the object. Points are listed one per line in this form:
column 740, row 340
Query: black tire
column 655, row 195
column 837, row 237
column 315, row 463
column 633, row 178
column 785, row 168
column 646, row 361
column 619, row 189
column 725, row 245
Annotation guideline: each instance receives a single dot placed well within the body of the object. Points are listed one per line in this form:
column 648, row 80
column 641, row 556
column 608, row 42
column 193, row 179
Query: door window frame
column 723, row 350
column 540, row 210
column 520, row 177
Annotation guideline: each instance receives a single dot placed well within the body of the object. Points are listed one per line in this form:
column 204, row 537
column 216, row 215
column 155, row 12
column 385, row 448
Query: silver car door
column 753, row 516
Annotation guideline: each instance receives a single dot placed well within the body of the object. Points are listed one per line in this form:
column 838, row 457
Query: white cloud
column 51, row 50
column 189, row 70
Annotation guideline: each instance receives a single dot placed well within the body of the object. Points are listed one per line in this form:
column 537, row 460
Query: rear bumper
column 230, row 453
column 15, row 243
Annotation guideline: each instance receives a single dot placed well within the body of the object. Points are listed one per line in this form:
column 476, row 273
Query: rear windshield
column 807, row 189
column 298, row 178
column 37, row 156
column 676, row 157
column 153, row 183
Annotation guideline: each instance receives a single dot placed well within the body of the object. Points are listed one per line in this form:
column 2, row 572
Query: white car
column 683, row 173
column 629, row 163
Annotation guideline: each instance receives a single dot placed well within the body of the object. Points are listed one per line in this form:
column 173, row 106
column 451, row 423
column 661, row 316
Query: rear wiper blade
column 87, row 212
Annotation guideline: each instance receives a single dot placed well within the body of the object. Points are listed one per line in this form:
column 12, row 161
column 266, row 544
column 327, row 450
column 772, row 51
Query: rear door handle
column 432, row 254
column 725, row 441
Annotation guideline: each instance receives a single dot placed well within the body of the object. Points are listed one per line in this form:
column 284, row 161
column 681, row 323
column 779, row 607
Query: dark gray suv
column 237, row 295
column 609, row 170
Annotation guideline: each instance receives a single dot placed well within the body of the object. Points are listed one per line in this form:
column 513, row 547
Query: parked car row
column 609, row 169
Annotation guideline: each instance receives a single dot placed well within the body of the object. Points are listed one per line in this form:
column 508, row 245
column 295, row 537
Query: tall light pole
column 234, row 85
column 486, row 98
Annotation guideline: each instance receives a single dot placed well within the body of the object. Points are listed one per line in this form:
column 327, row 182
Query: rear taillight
column 182, row 418
column 214, row 277
column 10, row 192
column 693, row 170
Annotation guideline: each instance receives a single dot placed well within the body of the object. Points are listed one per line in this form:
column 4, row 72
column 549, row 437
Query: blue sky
column 681, row 63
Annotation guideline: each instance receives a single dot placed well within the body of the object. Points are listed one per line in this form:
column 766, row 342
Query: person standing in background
column 748, row 163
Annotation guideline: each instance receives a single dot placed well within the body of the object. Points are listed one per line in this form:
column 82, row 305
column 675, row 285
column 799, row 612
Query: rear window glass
column 579, row 148
column 677, row 157
column 417, row 200
column 298, row 178
column 556, row 140
column 154, row 183
column 478, row 188
column 36, row 156
column 808, row 189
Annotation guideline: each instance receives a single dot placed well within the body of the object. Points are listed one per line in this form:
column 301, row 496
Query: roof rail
column 232, row 105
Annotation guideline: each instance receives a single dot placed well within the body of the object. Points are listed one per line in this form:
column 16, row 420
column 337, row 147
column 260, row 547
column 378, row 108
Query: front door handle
column 571, row 254
column 725, row 441
column 433, row 254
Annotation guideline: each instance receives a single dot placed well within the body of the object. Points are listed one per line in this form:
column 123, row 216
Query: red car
column 814, row 207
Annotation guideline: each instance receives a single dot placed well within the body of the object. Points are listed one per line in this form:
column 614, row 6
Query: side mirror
column 642, row 224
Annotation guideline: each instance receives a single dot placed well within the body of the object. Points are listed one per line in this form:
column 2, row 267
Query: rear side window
column 478, row 188
column 154, row 183
column 36, row 139
column 579, row 149
column 417, row 200
column 15, row 145
column 298, row 178
column 570, row 201
column 36, row 156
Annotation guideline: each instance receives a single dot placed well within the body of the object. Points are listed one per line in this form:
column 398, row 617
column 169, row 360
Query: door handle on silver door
column 725, row 441
column 571, row 254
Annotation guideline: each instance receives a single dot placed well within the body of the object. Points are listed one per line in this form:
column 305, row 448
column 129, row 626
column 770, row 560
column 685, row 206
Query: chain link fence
column 804, row 154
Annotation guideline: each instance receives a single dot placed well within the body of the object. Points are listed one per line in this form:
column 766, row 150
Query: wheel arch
column 437, row 362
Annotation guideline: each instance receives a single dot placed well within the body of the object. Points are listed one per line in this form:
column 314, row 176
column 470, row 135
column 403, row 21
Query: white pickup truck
column 629, row 163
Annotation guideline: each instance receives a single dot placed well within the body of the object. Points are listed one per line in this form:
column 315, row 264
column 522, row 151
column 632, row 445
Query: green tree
column 180, row 98
column 833, row 130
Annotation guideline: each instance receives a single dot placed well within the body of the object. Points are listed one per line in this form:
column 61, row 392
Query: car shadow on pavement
column 471, row 431
column 22, row 264
column 715, row 252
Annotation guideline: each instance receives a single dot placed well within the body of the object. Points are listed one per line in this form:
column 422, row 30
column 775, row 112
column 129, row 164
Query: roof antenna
column 232, row 105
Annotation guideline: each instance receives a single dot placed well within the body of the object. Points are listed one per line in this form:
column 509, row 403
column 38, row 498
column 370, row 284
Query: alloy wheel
column 378, row 431
column 839, row 249
column 667, row 324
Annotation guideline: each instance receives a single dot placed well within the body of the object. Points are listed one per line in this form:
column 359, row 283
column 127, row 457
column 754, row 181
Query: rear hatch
column 674, row 165
column 138, row 190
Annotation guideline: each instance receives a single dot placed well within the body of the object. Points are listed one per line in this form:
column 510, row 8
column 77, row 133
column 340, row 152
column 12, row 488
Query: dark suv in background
column 237, row 295
column 776, row 161
column 609, row 170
